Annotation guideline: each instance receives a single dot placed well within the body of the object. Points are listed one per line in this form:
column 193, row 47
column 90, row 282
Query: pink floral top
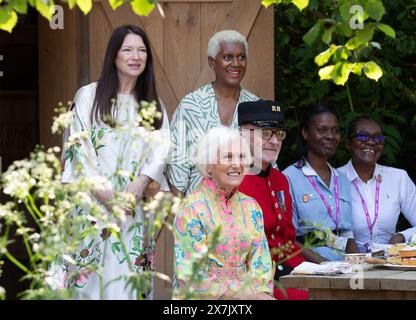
column 240, row 261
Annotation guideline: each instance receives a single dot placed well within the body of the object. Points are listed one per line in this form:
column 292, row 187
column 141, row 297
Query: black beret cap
column 262, row 113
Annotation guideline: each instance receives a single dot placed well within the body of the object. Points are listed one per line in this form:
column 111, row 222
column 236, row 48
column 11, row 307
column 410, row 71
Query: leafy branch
column 10, row 9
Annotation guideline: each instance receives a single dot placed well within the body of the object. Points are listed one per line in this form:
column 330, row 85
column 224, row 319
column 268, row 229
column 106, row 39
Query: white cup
column 355, row 258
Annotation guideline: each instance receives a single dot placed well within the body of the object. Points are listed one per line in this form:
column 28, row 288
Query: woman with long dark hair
column 321, row 195
column 112, row 145
column 379, row 193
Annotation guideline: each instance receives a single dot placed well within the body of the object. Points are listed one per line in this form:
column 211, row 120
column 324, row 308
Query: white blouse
column 397, row 194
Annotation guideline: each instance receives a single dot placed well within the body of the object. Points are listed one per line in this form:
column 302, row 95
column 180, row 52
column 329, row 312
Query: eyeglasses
column 267, row 134
column 364, row 136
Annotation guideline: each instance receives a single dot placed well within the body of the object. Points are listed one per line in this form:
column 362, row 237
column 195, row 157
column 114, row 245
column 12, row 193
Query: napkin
column 326, row 268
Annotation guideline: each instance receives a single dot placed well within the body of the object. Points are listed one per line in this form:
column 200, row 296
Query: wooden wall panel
column 181, row 37
column 153, row 24
column 100, row 30
column 240, row 16
column 58, row 71
column 212, row 17
column 259, row 76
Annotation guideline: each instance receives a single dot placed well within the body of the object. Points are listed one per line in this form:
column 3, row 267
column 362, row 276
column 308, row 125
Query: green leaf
column 324, row 56
column 366, row 34
column 375, row 9
column 72, row 3
column 372, row 70
column 358, row 68
column 353, row 43
column 312, row 35
column 393, row 115
column 344, row 10
column 89, row 245
column 45, row 9
column 344, row 29
column 142, row 7
column 325, row 73
column 327, row 36
column 375, row 45
column 137, row 241
column 341, row 54
column 115, row 3
column 341, row 72
column 388, row 31
column 19, row 6
column 392, row 132
column 85, row 5
column 101, row 133
column 8, row 20
column 115, row 247
column 267, row 3
column 301, row 4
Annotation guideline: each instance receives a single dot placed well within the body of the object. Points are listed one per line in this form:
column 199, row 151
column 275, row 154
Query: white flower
column 76, row 138
column 62, row 121
column 119, row 212
column 98, row 183
column 18, row 183
column 84, row 198
column 114, row 226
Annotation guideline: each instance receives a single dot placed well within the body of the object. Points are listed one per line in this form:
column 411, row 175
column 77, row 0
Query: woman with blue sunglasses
column 379, row 193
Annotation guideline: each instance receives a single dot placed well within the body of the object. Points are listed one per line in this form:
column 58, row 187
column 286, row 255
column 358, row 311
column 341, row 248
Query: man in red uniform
column 262, row 123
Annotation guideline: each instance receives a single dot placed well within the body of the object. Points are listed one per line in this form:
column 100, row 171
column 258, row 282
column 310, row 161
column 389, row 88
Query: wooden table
column 370, row 283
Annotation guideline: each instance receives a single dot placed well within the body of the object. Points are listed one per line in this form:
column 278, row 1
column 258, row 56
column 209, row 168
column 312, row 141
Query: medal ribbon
column 367, row 215
column 338, row 211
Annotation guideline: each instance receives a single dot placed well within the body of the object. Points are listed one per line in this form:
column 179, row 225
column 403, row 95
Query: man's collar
column 259, row 172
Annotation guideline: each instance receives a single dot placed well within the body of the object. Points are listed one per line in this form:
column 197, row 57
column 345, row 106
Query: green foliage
column 142, row 7
column 9, row 9
column 349, row 24
column 300, row 4
column 52, row 219
column 391, row 45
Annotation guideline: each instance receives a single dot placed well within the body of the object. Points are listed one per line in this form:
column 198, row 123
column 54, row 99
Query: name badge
column 337, row 242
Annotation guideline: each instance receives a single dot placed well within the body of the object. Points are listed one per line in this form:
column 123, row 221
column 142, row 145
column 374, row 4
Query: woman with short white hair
column 209, row 106
column 221, row 251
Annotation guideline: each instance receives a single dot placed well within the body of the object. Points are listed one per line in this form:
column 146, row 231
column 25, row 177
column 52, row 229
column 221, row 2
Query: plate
column 395, row 267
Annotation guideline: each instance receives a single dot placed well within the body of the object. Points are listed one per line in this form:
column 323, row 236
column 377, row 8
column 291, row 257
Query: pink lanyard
column 367, row 215
column 338, row 218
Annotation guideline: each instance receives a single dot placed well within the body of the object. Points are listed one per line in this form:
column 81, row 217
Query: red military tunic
column 270, row 188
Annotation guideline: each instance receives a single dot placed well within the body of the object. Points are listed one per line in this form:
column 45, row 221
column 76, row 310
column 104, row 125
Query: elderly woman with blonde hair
column 221, row 251
column 209, row 106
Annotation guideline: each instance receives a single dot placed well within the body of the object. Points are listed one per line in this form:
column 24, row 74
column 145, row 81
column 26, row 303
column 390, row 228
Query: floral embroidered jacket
column 241, row 258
